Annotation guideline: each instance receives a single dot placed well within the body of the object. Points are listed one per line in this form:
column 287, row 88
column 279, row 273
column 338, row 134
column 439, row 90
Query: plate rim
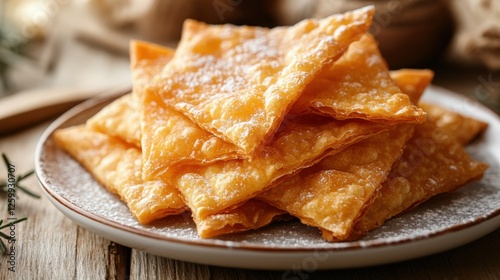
column 272, row 260
column 222, row 244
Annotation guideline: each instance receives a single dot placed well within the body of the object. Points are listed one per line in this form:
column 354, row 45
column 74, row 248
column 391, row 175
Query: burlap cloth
column 412, row 33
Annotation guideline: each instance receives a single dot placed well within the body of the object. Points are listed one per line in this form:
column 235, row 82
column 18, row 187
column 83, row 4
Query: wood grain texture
column 50, row 246
column 147, row 266
column 46, row 233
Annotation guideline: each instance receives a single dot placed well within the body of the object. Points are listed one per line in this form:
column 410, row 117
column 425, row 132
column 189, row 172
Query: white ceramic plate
column 446, row 221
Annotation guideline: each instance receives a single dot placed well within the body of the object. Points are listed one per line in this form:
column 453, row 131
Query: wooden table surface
column 50, row 246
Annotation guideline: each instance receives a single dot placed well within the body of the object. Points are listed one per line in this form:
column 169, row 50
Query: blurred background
column 83, row 44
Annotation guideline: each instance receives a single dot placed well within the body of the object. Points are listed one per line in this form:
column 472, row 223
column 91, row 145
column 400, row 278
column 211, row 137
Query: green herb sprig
column 4, row 188
column 4, row 185
column 3, row 247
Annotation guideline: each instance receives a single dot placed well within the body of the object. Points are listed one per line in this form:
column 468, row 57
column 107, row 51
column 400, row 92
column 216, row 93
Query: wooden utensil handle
column 21, row 110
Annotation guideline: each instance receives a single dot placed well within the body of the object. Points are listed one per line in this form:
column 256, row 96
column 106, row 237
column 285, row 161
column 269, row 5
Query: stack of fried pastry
column 243, row 126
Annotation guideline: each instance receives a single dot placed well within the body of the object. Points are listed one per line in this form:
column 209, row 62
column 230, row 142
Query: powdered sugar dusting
column 65, row 178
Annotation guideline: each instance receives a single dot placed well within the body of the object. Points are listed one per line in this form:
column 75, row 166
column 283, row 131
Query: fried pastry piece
column 183, row 142
column 333, row 194
column 412, row 82
column 174, row 138
column 149, row 200
column 170, row 138
column 300, row 143
column 142, row 52
column 358, row 85
column 122, row 118
column 147, row 60
column 238, row 82
column 251, row 215
column 464, row 129
column 433, row 162
column 117, row 166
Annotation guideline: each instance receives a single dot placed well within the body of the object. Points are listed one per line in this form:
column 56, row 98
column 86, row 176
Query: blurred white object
column 478, row 32
column 33, row 18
